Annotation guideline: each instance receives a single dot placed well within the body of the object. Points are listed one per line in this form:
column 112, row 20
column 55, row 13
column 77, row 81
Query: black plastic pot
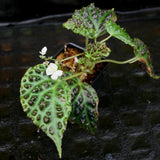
column 97, row 81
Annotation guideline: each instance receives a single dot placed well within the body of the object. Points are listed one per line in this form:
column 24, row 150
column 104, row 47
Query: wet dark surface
column 129, row 109
column 15, row 10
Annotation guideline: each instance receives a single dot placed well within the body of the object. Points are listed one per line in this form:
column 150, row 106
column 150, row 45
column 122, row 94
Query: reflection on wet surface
column 129, row 100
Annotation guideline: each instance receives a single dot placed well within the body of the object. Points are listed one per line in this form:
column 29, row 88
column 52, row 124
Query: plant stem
column 46, row 59
column 72, row 76
column 132, row 60
column 71, row 57
column 87, row 41
column 106, row 38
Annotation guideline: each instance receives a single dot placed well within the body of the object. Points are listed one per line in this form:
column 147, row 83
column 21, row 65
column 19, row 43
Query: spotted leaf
column 47, row 102
column 84, row 105
column 96, row 51
column 143, row 55
column 90, row 21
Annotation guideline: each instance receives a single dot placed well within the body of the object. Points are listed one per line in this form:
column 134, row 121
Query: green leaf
column 143, row 55
column 120, row 33
column 96, row 51
column 90, row 21
column 47, row 102
column 84, row 105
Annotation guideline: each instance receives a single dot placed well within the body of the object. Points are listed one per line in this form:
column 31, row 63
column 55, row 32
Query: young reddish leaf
column 96, row 51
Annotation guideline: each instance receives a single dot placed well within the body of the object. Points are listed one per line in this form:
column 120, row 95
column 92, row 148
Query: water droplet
column 34, row 112
column 77, row 111
column 41, row 106
column 38, row 117
column 83, row 115
column 45, row 84
column 26, row 96
column 36, row 78
column 51, row 131
column 83, row 121
column 26, row 86
column 43, row 128
column 46, row 104
column 38, row 130
column 25, row 106
column 58, row 108
column 59, row 125
column 27, row 110
column 33, row 98
column 60, row 114
column 38, row 71
column 23, row 91
column 48, row 113
column 30, row 78
column 47, row 96
column 46, row 119
column 30, row 102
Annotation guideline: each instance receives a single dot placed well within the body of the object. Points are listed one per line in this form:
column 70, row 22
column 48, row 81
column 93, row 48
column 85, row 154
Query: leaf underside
column 120, row 33
column 142, row 53
column 84, row 105
column 90, row 21
column 47, row 102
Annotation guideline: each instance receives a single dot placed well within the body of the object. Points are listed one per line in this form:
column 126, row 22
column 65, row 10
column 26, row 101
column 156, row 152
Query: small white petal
column 59, row 72
column 48, row 71
column 43, row 51
column 51, row 69
column 54, row 76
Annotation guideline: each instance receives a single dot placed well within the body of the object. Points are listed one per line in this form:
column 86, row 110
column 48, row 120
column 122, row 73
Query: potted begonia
column 59, row 89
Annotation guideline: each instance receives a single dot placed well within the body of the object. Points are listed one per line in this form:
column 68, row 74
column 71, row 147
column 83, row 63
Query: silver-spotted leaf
column 84, row 105
column 118, row 32
column 142, row 53
column 90, row 21
column 47, row 102
column 96, row 51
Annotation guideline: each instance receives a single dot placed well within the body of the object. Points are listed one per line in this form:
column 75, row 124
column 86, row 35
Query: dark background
column 15, row 10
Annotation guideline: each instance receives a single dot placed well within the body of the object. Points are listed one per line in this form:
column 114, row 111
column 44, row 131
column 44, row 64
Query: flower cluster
column 52, row 69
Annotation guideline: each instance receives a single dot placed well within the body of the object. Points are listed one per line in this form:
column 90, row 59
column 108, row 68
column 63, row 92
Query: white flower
column 76, row 60
column 52, row 70
column 43, row 51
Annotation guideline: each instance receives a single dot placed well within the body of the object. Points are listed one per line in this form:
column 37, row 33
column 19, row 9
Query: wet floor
column 129, row 109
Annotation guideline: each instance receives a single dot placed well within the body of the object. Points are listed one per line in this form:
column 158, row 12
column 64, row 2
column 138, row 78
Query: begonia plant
column 53, row 93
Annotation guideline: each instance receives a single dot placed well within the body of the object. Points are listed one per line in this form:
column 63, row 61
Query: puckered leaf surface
column 120, row 33
column 142, row 53
column 84, row 105
column 90, row 21
column 47, row 102
column 97, row 51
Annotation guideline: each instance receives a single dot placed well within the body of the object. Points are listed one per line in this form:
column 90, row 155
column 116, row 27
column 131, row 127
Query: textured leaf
column 47, row 102
column 90, row 21
column 118, row 32
column 97, row 51
column 84, row 104
column 142, row 53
